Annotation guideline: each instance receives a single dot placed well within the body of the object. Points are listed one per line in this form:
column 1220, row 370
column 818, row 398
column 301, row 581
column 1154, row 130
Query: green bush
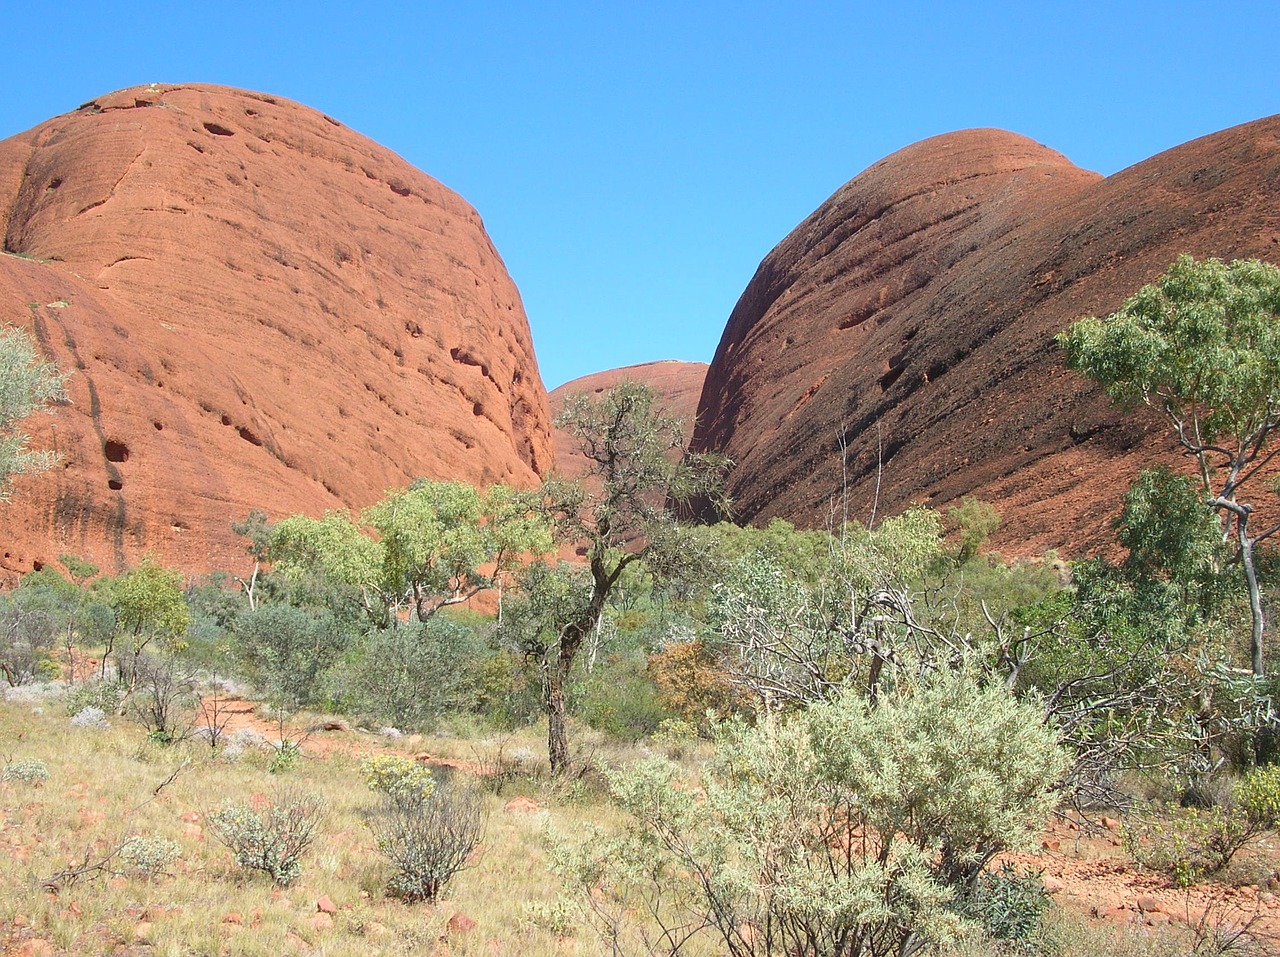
column 150, row 856
column 271, row 837
column 1189, row 844
column 94, row 693
column 407, row 676
column 397, row 777
column 1257, row 797
column 27, row 770
column 428, row 834
column 849, row 829
column 1009, row 907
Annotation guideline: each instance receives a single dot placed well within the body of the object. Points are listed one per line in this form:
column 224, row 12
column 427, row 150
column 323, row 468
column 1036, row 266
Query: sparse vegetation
column 271, row 834
column 855, row 726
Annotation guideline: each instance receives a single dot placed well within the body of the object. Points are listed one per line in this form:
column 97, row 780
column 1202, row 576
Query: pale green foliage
column 432, row 544
column 27, row 384
column 407, row 676
column 286, row 649
column 975, row 522
column 397, row 776
column 787, row 637
column 271, row 837
column 27, row 770
column 1189, row 843
column 334, row 545
column 428, row 835
column 150, row 856
column 897, row 552
column 848, row 830
column 1257, row 796
column 148, row 603
column 1201, row 344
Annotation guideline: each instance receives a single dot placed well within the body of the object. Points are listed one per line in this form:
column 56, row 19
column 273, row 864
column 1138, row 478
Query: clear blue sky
column 635, row 161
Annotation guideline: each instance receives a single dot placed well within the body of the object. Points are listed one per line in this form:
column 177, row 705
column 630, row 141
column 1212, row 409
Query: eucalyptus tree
column 1201, row 346
column 623, row 512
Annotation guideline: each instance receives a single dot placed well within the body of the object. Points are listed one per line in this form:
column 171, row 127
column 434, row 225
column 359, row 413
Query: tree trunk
column 1255, row 594
column 557, row 711
column 557, row 718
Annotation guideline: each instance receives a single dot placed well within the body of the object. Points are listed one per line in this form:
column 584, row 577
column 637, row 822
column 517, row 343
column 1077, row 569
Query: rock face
column 678, row 385
column 260, row 308
column 906, row 328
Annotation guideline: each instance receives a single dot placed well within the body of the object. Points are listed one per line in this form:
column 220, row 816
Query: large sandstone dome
column 900, row 341
column 678, row 386
column 260, row 308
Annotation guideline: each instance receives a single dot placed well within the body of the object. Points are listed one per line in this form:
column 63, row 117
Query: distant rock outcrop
column 678, row 385
column 261, row 308
column 905, row 330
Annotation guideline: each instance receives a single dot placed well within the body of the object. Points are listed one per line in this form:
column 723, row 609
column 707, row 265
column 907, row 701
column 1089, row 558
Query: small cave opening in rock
column 55, row 182
column 889, row 378
column 116, row 451
column 248, row 436
column 159, row 426
column 218, row 130
column 115, row 484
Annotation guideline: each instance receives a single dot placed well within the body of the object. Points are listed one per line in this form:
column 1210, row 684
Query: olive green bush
column 851, row 829
column 270, row 836
column 427, row 831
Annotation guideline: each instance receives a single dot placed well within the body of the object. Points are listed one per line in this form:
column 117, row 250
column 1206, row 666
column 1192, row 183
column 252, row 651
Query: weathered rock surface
column 906, row 328
column 261, row 308
column 677, row 384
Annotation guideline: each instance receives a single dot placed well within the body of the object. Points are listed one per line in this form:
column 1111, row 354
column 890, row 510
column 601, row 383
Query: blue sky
column 635, row 161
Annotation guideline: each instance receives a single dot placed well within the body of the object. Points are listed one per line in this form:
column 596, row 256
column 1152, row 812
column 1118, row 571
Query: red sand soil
column 259, row 308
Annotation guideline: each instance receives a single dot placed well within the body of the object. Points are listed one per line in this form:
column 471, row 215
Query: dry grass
column 97, row 796
column 99, row 793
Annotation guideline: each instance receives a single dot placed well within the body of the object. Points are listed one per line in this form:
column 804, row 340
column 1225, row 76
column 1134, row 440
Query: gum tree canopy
column 1201, row 345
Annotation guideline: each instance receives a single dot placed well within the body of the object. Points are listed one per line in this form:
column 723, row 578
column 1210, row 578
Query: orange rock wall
column 900, row 339
column 260, row 308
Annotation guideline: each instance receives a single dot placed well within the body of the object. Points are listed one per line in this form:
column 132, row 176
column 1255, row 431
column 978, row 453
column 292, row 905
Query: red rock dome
column 260, row 308
column 900, row 340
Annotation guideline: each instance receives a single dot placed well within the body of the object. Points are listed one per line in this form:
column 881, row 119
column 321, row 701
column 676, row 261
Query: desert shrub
column 503, row 690
column 397, row 777
column 427, row 834
column 620, row 699
column 244, row 741
column 163, row 697
column 1189, row 844
column 101, row 694
column 1009, row 907
column 28, row 632
column 27, row 770
column 90, row 719
column 407, row 676
column 1257, row 797
column 849, row 829
column 270, row 837
column 284, row 650
column 150, row 856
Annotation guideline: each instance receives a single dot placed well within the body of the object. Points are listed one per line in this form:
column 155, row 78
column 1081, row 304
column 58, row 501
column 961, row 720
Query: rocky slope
column 678, row 384
column 260, row 308
column 905, row 329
